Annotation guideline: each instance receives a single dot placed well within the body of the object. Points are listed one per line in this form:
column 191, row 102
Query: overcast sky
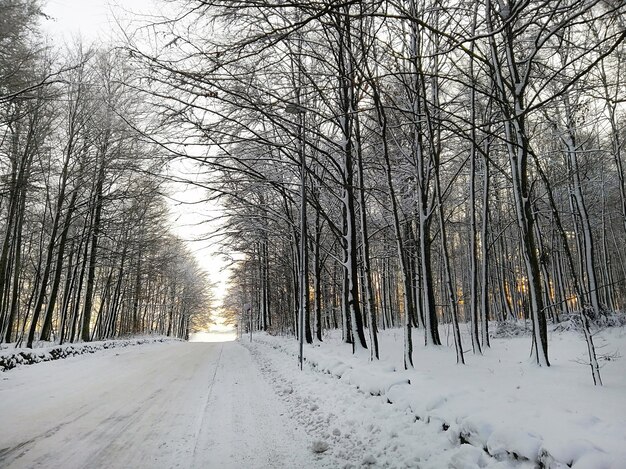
column 92, row 19
column 89, row 18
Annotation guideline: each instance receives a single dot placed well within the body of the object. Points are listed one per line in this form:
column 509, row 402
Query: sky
column 95, row 20
column 92, row 19
column 192, row 221
column 89, row 18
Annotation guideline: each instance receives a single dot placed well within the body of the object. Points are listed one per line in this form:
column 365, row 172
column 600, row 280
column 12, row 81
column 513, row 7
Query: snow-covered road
column 187, row 405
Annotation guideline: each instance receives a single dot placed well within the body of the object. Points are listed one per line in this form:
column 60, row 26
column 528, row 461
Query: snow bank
column 10, row 358
column 500, row 404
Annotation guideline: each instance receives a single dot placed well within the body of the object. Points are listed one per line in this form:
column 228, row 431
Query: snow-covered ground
column 164, row 405
column 498, row 411
column 246, row 405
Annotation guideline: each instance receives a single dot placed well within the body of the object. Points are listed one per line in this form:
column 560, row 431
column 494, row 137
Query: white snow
column 500, row 410
column 187, row 405
column 242, row 404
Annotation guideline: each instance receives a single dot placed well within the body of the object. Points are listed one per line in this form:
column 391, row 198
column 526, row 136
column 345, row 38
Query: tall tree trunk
column 93, row 255
column 593, row 362
column 47, row 324
column 317, row 274
column 484, row 271
column 346, row 124
column 404, row 271
column 511, row 101
column 368, row 295
column 447, row 271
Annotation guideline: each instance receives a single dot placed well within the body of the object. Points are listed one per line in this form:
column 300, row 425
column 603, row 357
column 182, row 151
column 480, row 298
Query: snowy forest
column 423, row 202
column 378, row 164
column 86, row 252
column 410, row 163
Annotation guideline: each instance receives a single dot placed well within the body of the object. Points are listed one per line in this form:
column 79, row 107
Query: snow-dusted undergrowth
column 500, row 410
column 12, row 357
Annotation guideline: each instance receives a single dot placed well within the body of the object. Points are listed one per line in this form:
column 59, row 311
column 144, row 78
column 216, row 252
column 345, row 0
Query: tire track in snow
column 245, row 425
column 135, row 408
column 10, row 454
column 362, row 430
column 200, row 418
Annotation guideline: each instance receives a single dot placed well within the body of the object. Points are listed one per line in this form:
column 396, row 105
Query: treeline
column 85, row 249
column 412, row 162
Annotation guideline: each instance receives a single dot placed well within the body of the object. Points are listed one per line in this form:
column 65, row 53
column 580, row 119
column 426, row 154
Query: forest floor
column 246, row 405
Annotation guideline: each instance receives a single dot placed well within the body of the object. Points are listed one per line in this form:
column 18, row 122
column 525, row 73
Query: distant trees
column 85, row 249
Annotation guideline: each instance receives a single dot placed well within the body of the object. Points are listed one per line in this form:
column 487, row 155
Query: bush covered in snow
column 573, row 321
column 9, row 359
column 508, row 329
column 567, row 322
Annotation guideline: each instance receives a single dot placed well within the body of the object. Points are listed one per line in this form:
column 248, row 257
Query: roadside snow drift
column 505, row 408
